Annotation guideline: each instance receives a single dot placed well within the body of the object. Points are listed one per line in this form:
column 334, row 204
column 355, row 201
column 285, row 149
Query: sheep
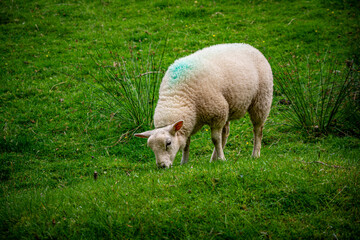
column 212, row 86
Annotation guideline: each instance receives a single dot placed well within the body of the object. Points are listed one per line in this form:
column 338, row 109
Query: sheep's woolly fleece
column 222, row 79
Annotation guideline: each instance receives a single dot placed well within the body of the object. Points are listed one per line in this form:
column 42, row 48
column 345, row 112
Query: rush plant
column 128, row 85
column 316, row 91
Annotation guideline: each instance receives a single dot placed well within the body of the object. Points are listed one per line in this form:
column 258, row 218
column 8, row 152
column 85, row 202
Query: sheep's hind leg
column 185, row 156
column 257, row 140
column 258, row 123
column 258, row 114
column 224, row 135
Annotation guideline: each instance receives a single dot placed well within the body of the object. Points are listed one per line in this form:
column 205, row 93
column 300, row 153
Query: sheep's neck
column 168, row 112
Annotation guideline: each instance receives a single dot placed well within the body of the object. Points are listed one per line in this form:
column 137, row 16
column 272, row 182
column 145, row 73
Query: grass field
column 55, row 131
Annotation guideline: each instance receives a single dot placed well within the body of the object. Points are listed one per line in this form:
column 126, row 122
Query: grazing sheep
column 211, row 86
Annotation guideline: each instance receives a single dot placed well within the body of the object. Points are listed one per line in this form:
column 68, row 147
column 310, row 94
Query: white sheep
column 211, row 86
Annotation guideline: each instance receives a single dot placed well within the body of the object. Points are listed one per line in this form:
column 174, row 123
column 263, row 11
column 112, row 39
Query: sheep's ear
column 176, row 126
column 146, row 134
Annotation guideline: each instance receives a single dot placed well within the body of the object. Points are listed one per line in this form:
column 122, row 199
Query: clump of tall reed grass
column 317, row 91
column 128, row 83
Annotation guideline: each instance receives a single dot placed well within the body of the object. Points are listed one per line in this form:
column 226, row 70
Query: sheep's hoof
column 215, row 159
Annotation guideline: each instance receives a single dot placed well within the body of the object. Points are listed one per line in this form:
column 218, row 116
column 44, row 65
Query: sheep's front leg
column 216, row 136
column 185, row 155
column 225, row 135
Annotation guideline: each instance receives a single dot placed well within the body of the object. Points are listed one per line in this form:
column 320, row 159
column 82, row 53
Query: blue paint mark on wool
column 180, row 70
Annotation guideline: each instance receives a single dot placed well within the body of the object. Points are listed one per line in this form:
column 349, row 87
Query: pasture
column 57, row 130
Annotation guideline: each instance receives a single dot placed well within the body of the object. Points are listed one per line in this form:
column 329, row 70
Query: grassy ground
column 55, row 132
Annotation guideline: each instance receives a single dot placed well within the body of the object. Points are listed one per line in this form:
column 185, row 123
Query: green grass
column 56, row 131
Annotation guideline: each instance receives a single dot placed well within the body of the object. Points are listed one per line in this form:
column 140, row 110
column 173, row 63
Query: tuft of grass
column 351, row 112
column 129, row 85
column 315, row 89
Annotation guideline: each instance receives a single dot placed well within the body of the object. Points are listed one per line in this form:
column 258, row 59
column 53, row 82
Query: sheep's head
column 165, row 143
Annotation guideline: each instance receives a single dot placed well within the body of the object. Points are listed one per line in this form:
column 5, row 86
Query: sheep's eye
column 168, row 143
